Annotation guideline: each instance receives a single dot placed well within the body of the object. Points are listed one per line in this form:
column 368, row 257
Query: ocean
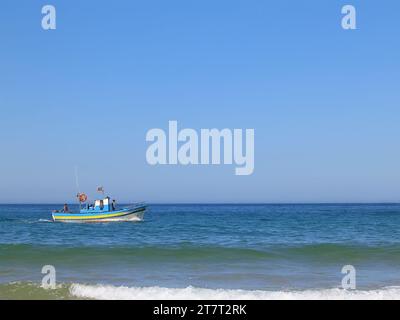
column 197, row 251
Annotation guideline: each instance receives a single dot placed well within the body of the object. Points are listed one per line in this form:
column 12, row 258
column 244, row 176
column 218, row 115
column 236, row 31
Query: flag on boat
column 100, row 189
column 82, row 197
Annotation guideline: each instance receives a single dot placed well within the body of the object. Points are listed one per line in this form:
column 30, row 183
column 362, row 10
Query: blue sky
column 324, row 102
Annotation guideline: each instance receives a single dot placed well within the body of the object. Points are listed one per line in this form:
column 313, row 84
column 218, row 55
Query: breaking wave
column 191, row 293
column 29, row 290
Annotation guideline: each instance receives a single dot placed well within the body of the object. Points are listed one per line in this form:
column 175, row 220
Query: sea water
column 204, row 252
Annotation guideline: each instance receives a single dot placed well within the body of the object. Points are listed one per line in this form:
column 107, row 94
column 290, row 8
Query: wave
column 22, row 290
column 321, row 253
column 33, row 291
column 128, row 253
column 192, row 293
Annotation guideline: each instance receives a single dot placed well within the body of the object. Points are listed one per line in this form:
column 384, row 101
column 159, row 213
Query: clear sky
column 324, row 102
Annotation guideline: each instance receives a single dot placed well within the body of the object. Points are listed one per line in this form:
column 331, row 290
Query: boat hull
column 130, row 214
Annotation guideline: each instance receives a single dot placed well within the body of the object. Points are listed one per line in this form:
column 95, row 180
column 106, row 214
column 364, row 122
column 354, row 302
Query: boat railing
column 135, row 205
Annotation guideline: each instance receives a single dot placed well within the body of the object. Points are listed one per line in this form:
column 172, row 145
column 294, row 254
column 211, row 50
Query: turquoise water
column 269, row 248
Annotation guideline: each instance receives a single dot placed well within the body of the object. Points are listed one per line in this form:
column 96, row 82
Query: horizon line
column 219, row 203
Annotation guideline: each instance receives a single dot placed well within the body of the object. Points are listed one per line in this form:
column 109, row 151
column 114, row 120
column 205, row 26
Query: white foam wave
column 191, row 293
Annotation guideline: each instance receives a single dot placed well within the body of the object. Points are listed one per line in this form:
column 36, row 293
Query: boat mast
column 77, row 187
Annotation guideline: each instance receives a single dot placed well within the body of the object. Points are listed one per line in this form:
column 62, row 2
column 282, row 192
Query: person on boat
column 65, row 209
column 113, row 205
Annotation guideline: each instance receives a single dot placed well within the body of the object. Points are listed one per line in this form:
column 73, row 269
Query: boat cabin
column 103, row 205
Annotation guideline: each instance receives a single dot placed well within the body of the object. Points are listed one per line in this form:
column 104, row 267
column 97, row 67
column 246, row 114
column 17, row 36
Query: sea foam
column 108, row 292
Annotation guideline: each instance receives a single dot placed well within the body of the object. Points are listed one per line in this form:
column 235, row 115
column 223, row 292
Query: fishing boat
column 102, row 211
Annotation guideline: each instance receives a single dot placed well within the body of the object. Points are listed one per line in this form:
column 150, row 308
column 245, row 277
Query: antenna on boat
column 77, row 186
